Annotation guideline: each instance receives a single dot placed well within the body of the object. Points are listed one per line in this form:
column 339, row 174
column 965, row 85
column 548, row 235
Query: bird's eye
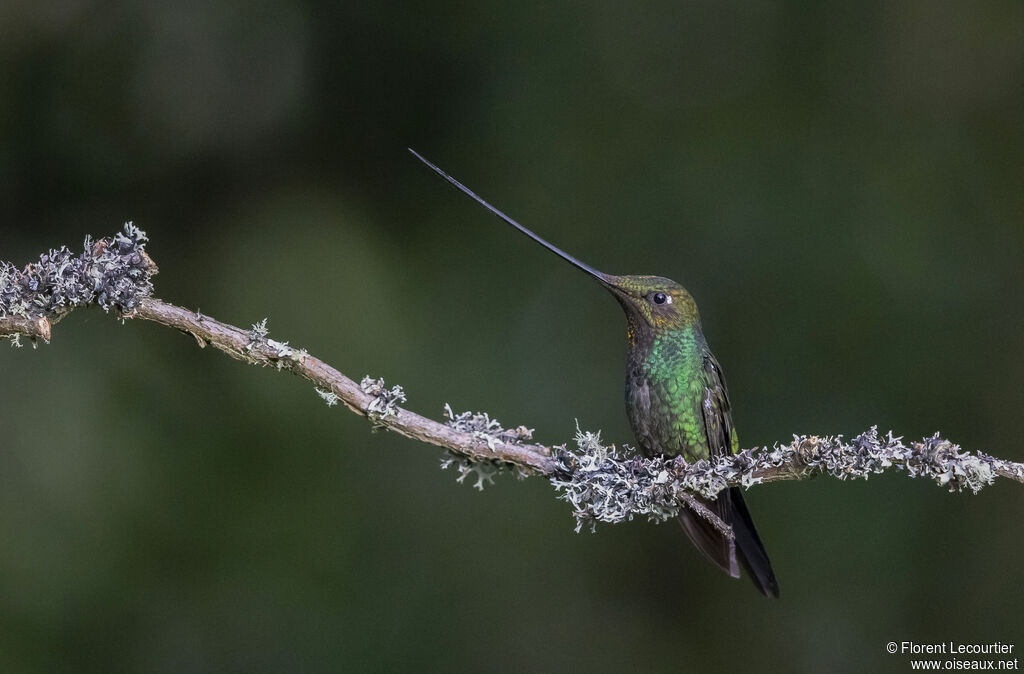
column 661, row 298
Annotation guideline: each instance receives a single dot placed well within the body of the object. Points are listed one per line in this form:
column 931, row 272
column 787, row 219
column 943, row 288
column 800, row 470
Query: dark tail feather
column 752, row 555
column 727, row 555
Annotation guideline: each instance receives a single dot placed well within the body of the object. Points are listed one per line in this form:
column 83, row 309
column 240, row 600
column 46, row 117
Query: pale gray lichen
column 329, row 396
column 281, row 352
column 384, row 401
column 1016, row 470
column 257, row 335
column 113, row 272
column 866, row 454
column 483, row 470
column 482, row 427
column 277, row 352
column 604, row 484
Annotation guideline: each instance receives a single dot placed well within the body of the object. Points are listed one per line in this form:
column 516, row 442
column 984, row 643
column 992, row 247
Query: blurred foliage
column 839, row 185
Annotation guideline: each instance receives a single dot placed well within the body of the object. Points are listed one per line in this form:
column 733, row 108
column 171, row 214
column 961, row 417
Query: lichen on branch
column 384, row 401
column 483, row 427
column 602, row 483
column 113, row 272
column 609, row 485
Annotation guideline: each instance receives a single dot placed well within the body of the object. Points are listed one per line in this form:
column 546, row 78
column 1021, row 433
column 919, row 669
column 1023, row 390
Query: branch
column 16, row 327
column 368, row 399
column 602, row 483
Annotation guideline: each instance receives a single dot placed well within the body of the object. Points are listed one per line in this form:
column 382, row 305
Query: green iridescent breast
column 676, row 398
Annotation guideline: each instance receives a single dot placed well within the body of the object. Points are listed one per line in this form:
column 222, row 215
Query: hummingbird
column 676, row 399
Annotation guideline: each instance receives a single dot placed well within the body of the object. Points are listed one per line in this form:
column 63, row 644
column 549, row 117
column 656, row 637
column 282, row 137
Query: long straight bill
column 554, row 249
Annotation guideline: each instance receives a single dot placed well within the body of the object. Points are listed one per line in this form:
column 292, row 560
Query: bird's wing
column 729, row 505
column 717, row 427
column 716, row 410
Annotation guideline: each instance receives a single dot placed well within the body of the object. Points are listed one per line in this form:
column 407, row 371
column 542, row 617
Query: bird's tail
column 745, row 549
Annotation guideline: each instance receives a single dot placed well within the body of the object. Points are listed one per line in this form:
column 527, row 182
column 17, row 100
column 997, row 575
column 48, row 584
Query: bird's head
column 653, row 304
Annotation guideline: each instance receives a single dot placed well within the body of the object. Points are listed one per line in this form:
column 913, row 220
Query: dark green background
column 840, row 185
